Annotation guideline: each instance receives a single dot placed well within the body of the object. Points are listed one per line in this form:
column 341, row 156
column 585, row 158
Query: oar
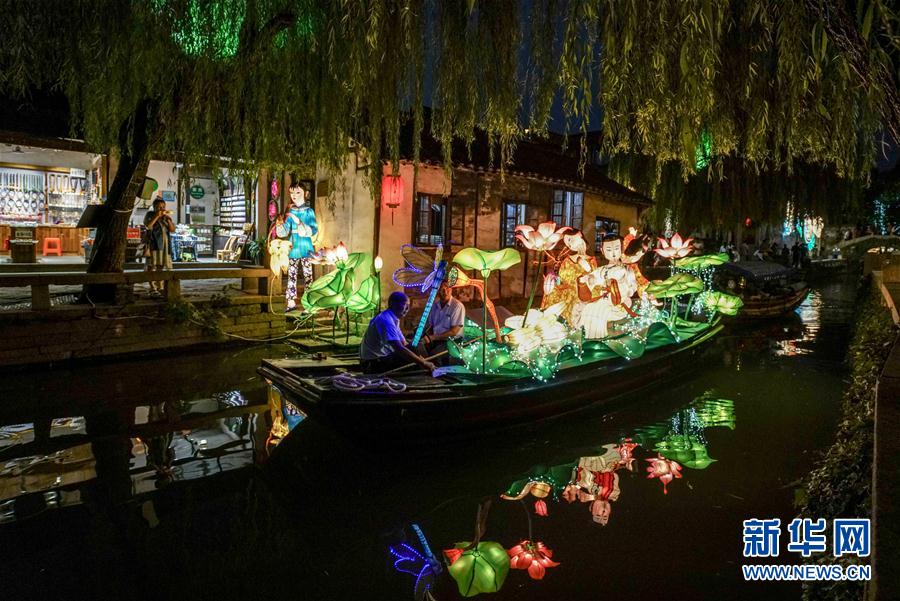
column 402, row 367
column 441, row 354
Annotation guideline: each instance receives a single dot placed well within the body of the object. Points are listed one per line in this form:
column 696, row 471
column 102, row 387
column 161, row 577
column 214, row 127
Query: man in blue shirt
column 383, row 346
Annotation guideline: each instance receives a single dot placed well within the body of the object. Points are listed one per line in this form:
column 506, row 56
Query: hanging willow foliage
column 740, row 193
column 285, row 83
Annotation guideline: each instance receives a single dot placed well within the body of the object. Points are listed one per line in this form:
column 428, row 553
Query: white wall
column 166, row 174
column 347, row 213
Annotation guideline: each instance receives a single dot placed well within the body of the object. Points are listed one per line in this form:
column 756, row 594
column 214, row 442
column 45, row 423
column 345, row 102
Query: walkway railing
column 253, row 278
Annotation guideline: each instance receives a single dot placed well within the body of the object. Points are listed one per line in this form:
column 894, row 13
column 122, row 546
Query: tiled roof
column 534, row 159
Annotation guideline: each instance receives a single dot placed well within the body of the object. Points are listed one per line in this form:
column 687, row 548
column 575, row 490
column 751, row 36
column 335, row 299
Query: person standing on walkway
column 159, row 223
column 795, row 254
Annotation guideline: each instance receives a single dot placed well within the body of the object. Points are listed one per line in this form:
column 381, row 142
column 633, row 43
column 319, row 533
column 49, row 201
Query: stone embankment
column 82, row 332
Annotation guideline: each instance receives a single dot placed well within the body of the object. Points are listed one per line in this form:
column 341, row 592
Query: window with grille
column 432, row 220
column 567, row 208
column 604, row 226
column 513, row 215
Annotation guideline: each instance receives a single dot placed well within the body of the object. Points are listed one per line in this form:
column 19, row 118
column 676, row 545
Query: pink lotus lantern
column 664, row 469
column 544, row 238
column 532, row 556
column 676, row 248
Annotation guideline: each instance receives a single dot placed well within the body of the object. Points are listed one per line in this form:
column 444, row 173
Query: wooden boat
column 767, row 289
column 454, row 403
column 767, row 306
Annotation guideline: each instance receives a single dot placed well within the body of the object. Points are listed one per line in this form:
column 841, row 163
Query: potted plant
column 254, row 250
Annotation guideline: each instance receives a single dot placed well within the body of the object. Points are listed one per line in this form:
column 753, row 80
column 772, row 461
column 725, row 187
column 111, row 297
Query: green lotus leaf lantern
column 726, row 304
column 678, row 284
column 481, row 569
column 702, row 261
column 487, row 261
column 329, row 291
column 364, row 298
column 686, row 450
column 715, row 412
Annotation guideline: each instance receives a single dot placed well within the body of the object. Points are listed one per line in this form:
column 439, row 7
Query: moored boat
column 417, row 405
column 600, row 332
column 767, row 289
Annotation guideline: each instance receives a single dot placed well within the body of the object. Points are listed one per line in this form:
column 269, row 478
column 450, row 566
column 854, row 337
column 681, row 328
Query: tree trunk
column 108, row 253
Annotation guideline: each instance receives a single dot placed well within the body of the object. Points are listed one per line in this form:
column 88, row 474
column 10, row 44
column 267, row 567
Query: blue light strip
column 422, row 540
column 439, row 275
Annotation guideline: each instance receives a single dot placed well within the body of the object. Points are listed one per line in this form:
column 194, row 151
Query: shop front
column 43, row 193
column 212, row 209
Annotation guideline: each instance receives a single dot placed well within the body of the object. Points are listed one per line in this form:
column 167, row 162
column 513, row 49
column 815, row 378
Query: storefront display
column 233, row 204
column 50, row 199
column 204, row 237
column 184, row 243
column 52, row 196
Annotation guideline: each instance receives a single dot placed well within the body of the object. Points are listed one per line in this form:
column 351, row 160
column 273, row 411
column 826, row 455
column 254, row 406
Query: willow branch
column 842, row 30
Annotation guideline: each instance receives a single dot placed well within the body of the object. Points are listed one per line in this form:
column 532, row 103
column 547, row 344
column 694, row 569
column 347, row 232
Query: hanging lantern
column 392, row 191
column 274, row 188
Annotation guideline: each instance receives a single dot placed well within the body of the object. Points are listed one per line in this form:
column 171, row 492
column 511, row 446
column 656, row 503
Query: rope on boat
column 355, row 383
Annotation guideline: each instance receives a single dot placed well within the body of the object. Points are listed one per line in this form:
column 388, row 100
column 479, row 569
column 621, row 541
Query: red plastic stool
column 52, row 246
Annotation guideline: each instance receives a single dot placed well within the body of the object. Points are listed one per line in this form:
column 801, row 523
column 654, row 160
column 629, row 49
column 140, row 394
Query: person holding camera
column 159, row 224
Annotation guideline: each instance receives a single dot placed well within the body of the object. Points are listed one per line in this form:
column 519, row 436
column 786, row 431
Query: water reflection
column 284, row 415
column 669, row 448
column 157, row 481
column 45, row 464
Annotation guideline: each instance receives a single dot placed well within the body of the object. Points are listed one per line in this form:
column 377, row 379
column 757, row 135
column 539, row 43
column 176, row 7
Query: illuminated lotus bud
column 549, row 283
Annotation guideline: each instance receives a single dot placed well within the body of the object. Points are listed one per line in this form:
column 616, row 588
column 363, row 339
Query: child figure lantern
column 608, row 290
column 300, row 226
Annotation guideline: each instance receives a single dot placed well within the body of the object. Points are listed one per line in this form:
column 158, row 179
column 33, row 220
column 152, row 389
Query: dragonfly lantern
column 427, row 274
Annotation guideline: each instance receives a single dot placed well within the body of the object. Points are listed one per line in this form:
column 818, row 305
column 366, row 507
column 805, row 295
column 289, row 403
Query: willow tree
column 765, row 83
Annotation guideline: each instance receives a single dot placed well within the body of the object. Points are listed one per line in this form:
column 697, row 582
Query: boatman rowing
column 383, row 346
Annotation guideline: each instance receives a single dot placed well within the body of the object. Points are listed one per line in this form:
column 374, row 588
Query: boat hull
column 773, row 307
column 444, row 409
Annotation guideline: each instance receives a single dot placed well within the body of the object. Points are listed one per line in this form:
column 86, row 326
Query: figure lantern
column 392, row 192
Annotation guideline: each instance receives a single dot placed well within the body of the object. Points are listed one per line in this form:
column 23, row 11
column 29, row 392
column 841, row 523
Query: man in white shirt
column 383, row 346
column 445, row 322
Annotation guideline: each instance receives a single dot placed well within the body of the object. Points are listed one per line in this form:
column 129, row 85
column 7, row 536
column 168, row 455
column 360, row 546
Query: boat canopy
column 760, row 271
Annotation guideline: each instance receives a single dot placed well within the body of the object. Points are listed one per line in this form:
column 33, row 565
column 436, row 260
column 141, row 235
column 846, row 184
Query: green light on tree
column 208, row 27
column 703, row 152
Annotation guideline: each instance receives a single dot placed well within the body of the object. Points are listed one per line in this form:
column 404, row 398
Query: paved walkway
column 886, row 482
column 19, row 299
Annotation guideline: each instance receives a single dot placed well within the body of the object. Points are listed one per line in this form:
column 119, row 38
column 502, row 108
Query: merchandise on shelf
column 204, row 244
column 50, row 197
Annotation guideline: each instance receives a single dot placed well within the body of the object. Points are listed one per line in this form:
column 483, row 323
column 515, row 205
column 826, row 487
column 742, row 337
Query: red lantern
column 392, row 190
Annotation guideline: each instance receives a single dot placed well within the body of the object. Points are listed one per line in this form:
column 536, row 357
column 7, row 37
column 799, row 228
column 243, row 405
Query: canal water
column 165, row 478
